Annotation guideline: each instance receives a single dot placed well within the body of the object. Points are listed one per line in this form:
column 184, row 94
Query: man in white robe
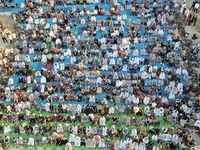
column 125, row 68
column 79, row 109
column 167, row 137
column 62, row 66
column 145, row 140
column 171, row 95
column 68, row 146
column 180, row 87
column 47, row 107
column 77, row 141
column 146, row 100
column 44, row 59
column 111, row 110
column 6, row 129
column 156, row 111
column 102, row 121
column 161, row 111
column 31, row 141
column 56, row 66
column 28, row 79
column 10, row 82
column 60, row 128
column 133, row 133
column 178, row 71
column 42, row 88
column 72, row 138
column 102, row 143
column 164, row 100
column 137, row 60
column 104, row 131
column 43, row 80
column 154, row 137
column 112, row 61
column 99, row 80
column 136, row 100
column 162, row 75
column 175, row 138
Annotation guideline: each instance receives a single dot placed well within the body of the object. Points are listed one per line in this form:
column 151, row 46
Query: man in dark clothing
column 3, row 36
column 194, row 20
column 193, row 4
column 173, row 146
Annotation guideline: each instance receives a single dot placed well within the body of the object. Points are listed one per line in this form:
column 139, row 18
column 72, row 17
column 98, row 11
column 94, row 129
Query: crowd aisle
column 99, row 74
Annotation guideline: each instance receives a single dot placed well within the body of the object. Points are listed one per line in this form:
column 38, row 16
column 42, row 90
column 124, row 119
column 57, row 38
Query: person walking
column 3, row 36
column 193, row 4
column 196, row 7
column 194, row 20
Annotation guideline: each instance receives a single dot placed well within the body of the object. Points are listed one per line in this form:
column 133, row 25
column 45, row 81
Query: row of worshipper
column 58, row 41
column 128, row 94
column 167, row 133
column 177, row 116
column 96, row 141
column 92, row 141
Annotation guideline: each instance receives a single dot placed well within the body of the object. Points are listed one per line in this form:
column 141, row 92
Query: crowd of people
column 120, row 68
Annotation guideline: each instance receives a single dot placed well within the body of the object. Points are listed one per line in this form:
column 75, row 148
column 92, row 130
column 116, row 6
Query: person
column 31, row 141
column 3, row 36
column 193, row 4
column 196, row 7
column 194, row 20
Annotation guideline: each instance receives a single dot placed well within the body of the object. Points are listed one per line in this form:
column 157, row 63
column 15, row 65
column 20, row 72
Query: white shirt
column 196, row 6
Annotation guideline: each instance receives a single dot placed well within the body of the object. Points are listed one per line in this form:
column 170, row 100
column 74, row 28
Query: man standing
column 196, row 7
column 193, row 4
column 3, row 36
column 194, row 20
